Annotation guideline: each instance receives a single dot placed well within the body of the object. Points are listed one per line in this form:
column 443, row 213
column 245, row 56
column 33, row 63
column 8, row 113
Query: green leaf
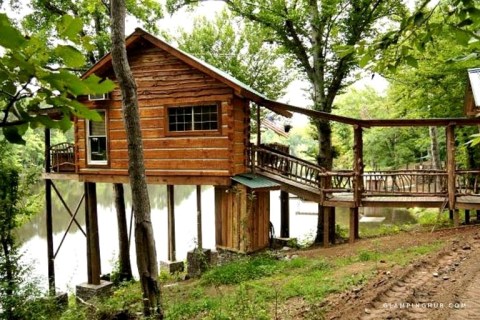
column 465, row 23
column 70, row 28
column 70, row 56
column 411, row 61
column 462, row 37
column 83, row 111
column 365, row 60
column 98, row 85
column 13, row 135
column 10, row 37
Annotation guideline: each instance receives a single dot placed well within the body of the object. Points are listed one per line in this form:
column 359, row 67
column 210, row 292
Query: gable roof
column 238, row 87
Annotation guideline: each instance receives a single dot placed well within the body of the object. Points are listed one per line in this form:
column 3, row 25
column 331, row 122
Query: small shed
column 243, row 210
column 472, row 96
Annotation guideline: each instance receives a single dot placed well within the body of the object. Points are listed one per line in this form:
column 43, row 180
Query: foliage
column 93, row 20
column 17, row 290
column 34, row 76
column 238, row 48
column 242, row 270
column 430, row 20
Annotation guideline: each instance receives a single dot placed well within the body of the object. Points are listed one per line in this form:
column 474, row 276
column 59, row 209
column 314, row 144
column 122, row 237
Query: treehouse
column 195, row 122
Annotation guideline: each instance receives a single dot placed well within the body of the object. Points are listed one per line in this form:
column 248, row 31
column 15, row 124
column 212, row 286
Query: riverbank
column 296, row 284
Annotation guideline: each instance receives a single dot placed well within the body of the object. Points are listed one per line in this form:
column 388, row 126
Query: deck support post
column 49, row 218
column 478, row 215
column 353, row 232
column 284, row 214
column 326, row 227
column 358, row 165
column 171, row 223
column 199, row 219
column 467, row 216
column 93, row 243
column 331, row 224
column 450, row 133
column 456, row 218
column 450, row 214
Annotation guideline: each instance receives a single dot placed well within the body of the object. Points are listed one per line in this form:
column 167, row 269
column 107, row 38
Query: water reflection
column 70, row 263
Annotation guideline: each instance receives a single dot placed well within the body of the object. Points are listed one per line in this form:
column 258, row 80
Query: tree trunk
column 125, row 269
column 434, row 148
column 144, row 239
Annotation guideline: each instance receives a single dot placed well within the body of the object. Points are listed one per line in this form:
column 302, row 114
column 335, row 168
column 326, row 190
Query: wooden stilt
column 284, row 215
column 450, row 214
column 456, row 218
column 199, row 218
column 467, row 216
column 331, row 224
column 353, row 232
column 93, row 243
column 49, row 218
column 171, row 223
column 319, row 236
column 478, row 216
column 125, row 269
column 326, row 227
column 450, row 133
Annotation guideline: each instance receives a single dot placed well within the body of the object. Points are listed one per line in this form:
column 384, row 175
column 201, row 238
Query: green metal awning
column 253, row 181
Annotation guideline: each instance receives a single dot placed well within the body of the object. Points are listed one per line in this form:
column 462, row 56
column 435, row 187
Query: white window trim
column 88, row 151
column 102, row 97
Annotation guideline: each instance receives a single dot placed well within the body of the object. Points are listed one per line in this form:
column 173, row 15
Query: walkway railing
column 407, row 183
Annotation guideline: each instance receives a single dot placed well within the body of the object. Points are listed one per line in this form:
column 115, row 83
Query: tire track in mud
column 421, row 293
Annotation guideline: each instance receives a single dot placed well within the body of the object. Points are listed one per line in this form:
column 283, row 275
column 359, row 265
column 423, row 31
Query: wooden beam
column 358, row 165
column 467, row 216
column 326, row 227
column 353, row 232
column 171, row 223
column 93, row 243
column 284, row 214
column 450, row 133
column 49, row 218
column 456, row 218
column 199, row 219
column 331, row 224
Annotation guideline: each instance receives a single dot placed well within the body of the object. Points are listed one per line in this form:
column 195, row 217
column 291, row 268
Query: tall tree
column 238, row 48
column 144, row 238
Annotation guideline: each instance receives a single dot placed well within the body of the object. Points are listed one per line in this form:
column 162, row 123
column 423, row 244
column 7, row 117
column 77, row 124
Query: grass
column 260, row 286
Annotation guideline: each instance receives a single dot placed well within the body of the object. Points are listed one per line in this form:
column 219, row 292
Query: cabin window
column 95, row 97
column 97, row 140
column 193, row 118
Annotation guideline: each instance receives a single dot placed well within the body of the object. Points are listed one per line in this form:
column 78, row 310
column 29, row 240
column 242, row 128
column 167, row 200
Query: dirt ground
column 442, row 285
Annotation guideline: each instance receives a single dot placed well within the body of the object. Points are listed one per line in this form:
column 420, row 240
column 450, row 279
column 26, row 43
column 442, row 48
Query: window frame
column 192, row 132
column 102, row 97
column 88, row 155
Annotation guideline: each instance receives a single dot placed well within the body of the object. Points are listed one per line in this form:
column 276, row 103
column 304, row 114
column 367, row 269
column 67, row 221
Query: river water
column 70, row 261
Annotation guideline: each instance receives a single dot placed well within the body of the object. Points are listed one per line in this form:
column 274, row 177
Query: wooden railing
column 285, row 165
column 406, row 182
column 62, row 157
column 467, row 182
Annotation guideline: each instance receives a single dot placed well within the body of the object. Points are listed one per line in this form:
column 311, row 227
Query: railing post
column 450, row 133
column 358, row 164
column 49, row 217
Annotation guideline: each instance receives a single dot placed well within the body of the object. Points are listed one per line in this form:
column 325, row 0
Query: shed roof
column 240, row 88
column 253, row 181
column 474, row 76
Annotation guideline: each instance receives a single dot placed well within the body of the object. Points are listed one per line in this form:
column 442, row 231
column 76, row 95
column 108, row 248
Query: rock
column 466, row 247
column 382, row 261
column 367, row 311
column 357, row 290
column 456, row 264
column 453, row 280
column 294, row 256
column 286, row 249
column 435, row 274
column 446, row 277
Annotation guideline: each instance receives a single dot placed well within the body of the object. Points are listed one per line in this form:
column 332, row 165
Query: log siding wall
column 162, row 81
